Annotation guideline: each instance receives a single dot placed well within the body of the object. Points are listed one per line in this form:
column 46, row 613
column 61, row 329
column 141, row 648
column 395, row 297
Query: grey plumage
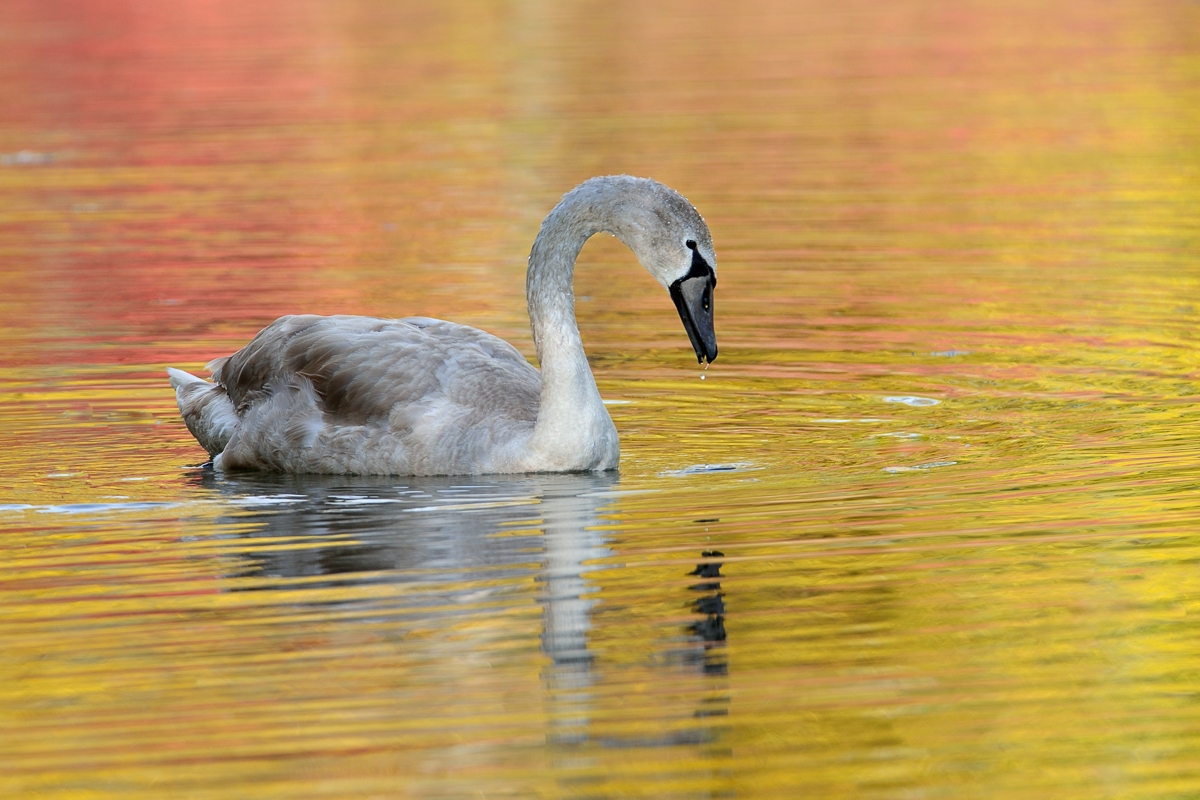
column 420, row 396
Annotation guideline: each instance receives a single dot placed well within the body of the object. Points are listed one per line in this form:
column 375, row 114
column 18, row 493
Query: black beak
column 693, row 296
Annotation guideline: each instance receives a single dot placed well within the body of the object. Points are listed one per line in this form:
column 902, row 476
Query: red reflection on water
column 143, row 68
column 167, row 207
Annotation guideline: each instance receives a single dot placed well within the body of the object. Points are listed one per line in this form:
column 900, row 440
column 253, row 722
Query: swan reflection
column 443, row 532
column 465, row 547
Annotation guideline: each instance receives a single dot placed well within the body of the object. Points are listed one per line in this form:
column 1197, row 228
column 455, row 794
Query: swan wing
column 409, row 395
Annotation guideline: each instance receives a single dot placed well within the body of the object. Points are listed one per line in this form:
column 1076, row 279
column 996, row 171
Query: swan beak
column 693, row 296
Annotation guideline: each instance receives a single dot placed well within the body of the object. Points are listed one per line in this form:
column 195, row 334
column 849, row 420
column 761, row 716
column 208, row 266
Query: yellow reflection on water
column 947, row 457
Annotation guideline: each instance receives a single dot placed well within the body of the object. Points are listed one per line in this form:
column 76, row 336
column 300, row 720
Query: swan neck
column 571, row 417
column 592, row 207
column 551, row 299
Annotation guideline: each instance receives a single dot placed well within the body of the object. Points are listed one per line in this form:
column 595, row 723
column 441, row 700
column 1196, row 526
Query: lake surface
column 926, row 529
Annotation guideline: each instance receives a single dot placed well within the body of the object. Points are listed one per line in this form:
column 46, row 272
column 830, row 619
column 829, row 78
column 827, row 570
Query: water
column 926, row 528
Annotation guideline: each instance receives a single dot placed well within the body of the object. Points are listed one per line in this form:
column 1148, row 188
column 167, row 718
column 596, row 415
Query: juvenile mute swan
column 419, row 396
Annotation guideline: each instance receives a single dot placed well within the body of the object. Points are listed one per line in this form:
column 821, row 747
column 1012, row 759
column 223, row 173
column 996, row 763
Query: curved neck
column 549, row 291
column 567, row 382
column 571, row 410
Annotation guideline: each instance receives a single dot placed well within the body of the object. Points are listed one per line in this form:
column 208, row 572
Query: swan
column 420, row 396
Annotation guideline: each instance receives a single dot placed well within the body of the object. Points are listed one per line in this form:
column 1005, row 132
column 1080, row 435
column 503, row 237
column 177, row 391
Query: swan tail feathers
column 206, row 410
column 180, row 378
column 215, row 367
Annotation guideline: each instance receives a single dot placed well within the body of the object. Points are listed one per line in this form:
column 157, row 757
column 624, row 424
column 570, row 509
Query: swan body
column 419, row 396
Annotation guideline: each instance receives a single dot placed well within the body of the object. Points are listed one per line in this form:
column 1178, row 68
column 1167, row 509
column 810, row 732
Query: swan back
column 365, row 368
column 360, row 395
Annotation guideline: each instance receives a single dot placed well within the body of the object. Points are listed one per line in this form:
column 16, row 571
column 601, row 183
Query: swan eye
column 691, row 243
column 707, row 301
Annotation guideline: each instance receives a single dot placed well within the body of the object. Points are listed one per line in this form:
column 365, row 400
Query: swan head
column 673, row 243
column 693, row 296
